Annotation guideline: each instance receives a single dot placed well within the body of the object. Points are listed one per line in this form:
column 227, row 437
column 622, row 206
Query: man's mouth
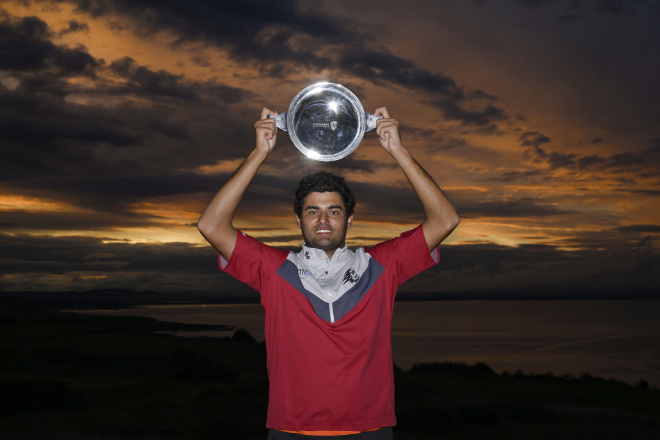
column 323, row 231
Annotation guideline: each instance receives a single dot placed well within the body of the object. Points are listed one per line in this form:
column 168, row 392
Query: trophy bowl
column 326, row 121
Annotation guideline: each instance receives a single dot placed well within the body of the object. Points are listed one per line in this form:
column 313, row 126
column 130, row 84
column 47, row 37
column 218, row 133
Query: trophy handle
column 280, row 121
column 370, row 121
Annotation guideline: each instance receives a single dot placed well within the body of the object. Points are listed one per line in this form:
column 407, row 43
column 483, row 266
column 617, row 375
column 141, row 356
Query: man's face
column 324, row 222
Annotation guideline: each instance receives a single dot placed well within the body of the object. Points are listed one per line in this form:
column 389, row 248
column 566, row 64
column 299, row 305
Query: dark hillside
column 72, row 376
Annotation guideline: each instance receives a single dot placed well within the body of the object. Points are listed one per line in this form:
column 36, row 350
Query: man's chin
column 324, row 245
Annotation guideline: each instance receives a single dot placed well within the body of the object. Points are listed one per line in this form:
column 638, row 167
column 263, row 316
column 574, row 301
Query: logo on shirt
column 303, row 273
column 351, row 277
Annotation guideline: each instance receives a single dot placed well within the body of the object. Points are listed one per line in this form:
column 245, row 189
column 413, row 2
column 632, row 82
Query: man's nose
column 324, row 218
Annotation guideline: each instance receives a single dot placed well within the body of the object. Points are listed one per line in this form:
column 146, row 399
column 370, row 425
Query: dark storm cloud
column 59, row 254
column 533, row 139
column 222, row 20
column 118, row 193
column 71, row 221
column 385, row 203
column 275, row 239
column 290, row 162
column 381, row 66
column 625, row 267
column 452, row 110
column 642, row 192
column 51, row 126
column 294, row 35
column 116, row 196
column 647, row 162
column 516, row 176
column 74, row 27
column 495, row 258
column 258, row 31
column 84, row 263
column 379, row 202
column 25, row 46
column 47, row 134
column 607, row 5
column 640, row 228
column 655, row 145
column 142, row 81
column 623, row 263
column 573, row 11
column 516, row 208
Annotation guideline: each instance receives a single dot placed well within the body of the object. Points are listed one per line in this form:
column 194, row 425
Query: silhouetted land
column 123, row 298
column 74, row 376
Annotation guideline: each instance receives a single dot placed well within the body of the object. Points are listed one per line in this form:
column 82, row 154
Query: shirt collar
column 315, row 254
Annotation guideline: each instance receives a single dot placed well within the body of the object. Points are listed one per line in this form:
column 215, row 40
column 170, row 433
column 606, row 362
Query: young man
column 328, row 309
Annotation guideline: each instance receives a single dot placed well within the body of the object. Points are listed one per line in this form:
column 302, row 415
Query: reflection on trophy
column 326, row 121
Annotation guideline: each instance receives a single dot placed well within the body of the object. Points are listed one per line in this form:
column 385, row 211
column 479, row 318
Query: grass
column 66, row 376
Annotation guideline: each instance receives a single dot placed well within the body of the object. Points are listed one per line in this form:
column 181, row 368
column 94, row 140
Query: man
column 328, row 309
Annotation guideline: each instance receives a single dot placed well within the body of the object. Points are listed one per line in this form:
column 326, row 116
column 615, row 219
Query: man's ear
column 298, row 222
column 349, row 222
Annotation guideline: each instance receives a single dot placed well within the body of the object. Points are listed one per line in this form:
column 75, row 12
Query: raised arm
column 441, row 217
column 216, row 222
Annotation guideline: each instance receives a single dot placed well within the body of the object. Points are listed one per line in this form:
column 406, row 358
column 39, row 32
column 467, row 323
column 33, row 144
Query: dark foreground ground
column 72, row 376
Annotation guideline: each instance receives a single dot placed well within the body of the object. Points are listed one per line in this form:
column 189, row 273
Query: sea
column 618, row 339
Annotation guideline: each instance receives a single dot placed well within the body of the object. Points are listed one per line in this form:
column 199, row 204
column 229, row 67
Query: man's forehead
column 323, row 198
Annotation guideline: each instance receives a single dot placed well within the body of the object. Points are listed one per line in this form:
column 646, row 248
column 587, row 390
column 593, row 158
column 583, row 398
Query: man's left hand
column 388, row 131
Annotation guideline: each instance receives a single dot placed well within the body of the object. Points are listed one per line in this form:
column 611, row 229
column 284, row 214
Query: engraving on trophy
column 332, row 125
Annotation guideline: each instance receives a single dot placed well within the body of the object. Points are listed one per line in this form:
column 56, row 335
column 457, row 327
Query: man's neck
column 328, row 252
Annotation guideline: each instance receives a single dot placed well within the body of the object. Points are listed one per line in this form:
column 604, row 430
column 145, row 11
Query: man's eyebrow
column 329, row 207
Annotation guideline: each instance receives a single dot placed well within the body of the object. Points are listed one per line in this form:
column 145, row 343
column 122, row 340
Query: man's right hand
column 265, row 131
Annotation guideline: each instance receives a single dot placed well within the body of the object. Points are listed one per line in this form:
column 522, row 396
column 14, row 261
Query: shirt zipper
column 328, row 292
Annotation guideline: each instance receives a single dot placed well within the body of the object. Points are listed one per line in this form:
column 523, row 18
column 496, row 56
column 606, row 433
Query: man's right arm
column 216, row 222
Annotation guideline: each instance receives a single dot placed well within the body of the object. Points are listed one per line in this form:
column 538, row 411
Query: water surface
column 608, row 338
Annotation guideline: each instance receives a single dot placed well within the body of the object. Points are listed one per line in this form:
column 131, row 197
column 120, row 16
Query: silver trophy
column 326, row 121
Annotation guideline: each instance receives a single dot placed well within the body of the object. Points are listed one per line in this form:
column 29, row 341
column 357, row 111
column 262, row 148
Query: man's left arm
column 441, row 216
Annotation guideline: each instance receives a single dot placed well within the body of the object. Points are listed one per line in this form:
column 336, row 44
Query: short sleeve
column 408, row 253
column 252, row 262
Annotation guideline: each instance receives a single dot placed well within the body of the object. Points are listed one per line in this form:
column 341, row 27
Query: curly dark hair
column 323, row 182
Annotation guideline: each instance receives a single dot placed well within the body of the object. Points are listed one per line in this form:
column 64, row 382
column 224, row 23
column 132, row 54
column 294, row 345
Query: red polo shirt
column 330, row 376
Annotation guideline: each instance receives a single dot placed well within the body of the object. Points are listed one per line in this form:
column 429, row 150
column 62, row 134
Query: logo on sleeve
column 351, row 277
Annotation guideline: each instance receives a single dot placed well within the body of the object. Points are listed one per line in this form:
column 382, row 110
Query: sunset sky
column 540, row 119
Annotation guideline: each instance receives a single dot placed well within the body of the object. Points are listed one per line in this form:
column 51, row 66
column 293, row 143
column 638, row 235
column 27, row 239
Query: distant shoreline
column 113, row 299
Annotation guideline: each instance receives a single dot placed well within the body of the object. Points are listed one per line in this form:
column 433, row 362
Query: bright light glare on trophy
column 326, row 121
column 313, row 154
